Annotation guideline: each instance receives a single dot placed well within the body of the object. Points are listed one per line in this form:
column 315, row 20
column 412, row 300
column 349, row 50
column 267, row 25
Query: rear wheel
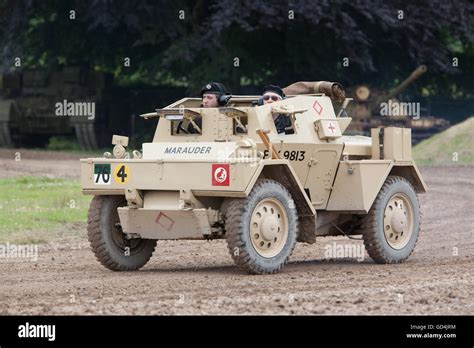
column 261, row 230
column 391, row 228
column 109, row 243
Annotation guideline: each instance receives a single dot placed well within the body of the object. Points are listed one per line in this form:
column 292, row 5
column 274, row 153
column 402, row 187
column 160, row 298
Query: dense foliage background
column 187, row 43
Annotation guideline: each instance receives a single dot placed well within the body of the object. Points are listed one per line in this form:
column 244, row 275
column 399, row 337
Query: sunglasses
column 273, row 97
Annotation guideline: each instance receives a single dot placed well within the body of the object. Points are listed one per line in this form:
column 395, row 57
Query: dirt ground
column 52, row 164
column 196, row 277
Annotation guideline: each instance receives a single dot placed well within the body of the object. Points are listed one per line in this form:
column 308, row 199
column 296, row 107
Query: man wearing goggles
column 273, row 94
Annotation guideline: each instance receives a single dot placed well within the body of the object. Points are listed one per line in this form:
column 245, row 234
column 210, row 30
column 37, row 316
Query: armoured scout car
column 227, row 173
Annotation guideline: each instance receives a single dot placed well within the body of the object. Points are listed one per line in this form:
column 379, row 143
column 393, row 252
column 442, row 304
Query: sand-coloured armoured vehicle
column 236, row 177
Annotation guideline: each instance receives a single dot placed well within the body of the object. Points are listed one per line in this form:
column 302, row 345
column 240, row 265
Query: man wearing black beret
column 272, row 93
column 214, row 95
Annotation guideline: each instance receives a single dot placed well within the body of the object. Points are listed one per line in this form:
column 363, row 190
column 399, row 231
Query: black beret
column 214, row 88
column 274, row 89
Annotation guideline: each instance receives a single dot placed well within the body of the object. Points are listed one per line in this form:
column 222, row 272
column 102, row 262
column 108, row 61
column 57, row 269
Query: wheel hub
column 269, row 227
column 398, row 221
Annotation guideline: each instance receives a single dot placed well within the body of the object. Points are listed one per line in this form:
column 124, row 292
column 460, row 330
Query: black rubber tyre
column 388, row 222
column 107, row 240
column 245, row 233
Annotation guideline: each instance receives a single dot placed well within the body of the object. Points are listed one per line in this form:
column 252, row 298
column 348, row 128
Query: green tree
column 248, row 42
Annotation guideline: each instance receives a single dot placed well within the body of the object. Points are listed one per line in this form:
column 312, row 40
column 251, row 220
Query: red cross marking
column 331, row 127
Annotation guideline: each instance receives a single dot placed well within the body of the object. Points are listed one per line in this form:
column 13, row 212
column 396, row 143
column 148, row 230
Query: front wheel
column 261, row 230
column 109, row 244
column 391, row 228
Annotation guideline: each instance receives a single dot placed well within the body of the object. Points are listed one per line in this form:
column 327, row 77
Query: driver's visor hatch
column 181, row 119
column 239, row 119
